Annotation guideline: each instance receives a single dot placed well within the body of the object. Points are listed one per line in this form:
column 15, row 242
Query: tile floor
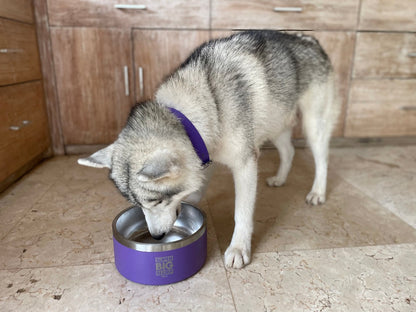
column 355, row 253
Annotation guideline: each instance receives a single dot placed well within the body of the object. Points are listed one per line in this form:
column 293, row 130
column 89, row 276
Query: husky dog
column 237, row 92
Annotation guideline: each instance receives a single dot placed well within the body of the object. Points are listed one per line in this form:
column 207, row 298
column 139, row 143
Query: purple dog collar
column 193, row 134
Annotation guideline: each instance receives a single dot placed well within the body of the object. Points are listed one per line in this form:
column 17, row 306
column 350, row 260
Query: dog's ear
column 159, row 166
column 100, row 159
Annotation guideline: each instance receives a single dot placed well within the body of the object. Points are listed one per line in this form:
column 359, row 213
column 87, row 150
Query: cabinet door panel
column 89, row 64
column 23, row 126
column 158, row 53
column 381, row 108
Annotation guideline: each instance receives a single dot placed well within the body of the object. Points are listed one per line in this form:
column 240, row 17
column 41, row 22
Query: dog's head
column 155, row 172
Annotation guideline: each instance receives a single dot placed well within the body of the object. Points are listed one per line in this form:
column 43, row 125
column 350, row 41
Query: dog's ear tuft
column 160, row 166
column 100, row 159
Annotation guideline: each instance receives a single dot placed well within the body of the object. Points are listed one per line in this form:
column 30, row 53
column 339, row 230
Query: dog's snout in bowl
column 158, row 259
column 159, row 236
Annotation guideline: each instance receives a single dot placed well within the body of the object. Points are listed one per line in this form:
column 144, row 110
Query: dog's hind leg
column 286, row 151
column 319, row 114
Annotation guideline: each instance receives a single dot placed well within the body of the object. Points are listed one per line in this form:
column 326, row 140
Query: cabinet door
column 94, row 82
column 23, row 126
column 158, row 52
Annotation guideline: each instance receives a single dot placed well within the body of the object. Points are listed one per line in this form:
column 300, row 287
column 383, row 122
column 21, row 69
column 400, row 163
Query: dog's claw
column 236, row 258
column 314, row 198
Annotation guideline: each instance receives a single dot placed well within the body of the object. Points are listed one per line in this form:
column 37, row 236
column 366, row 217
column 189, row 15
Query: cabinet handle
column 288, row 9
column 411, row 54
column 126, row 80
column 141, row 85
column 11, row 50
column 17, row 128
column 130, row 6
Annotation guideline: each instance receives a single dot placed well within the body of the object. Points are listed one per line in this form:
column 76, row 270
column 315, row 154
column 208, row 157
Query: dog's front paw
column 315, row 198
column 275, row 181
column 236, row 257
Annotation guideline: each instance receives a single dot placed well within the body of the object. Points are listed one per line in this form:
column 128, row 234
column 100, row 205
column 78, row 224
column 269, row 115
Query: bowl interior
column 131, row 224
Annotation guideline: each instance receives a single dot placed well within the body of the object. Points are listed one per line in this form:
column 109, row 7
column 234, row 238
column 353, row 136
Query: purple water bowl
column 178, row 255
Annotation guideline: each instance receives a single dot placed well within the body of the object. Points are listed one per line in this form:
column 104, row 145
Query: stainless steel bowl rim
column 147, row 247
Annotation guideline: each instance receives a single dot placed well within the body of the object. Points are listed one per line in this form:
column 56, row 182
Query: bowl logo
column 164, row 266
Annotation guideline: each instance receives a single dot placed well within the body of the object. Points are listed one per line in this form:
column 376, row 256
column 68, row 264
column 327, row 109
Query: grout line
column 282, row 252
column 222, row 255
column 55, row 266
column 375, row 200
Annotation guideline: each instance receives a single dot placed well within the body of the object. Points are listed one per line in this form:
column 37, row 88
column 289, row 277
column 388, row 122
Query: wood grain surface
column 317, row 15
column 382, row 108
column 89, row 66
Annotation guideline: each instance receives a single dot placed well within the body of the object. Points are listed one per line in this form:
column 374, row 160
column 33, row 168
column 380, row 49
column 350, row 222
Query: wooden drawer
column 318, row 14
column 381, row 108
column 385, row 55
column 388, row 15
column 23, row 126
column 19, row 56
column 154, row 13
column 20, row 10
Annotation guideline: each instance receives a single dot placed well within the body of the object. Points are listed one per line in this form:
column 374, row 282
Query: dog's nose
column 158, row 237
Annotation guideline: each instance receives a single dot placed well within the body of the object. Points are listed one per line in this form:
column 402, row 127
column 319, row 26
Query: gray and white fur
column 238, row 92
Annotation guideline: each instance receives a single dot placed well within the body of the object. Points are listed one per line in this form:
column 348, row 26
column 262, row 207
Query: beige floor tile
column 380, row 278
column 65, row 168
column 69, row 225
column 284, row 222
column 18, row 200
column 102, row 288
column 386, row 174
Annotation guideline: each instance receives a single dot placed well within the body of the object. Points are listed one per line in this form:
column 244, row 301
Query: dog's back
column 249, row 83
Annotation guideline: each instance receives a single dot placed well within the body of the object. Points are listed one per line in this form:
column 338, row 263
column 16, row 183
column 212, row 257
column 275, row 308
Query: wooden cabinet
column 24, row 131
column 383, row 91
column 371, row 44
column 158, row 52
column 94, row 81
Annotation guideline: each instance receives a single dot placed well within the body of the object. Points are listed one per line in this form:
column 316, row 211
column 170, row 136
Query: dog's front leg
column 245, row 180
